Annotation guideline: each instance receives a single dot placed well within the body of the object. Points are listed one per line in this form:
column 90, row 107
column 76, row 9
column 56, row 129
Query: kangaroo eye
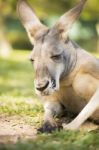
column 32, row 60
column 56, row 57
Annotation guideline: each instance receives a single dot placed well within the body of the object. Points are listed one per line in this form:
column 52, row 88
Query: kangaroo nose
column 42, row 87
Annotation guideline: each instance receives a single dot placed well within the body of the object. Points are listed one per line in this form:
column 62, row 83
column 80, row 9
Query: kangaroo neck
column 71, row 60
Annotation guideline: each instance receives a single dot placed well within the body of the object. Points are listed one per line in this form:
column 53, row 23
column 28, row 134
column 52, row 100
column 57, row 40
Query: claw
column 48, row 128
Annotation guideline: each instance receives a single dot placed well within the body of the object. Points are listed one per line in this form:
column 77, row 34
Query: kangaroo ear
column 66, row 21
column 29, row 20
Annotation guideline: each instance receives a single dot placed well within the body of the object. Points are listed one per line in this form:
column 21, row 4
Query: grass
column 62, row 141
column 17, row 98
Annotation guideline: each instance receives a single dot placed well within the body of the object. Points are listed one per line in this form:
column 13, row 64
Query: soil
column 13, row 128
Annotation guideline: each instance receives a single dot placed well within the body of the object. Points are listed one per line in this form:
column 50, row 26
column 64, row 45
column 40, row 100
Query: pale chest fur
column 70, row 99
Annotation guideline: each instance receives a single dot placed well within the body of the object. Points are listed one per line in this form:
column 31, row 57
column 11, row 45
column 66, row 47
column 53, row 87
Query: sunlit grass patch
column 19, row 106
column 16, row 77
column 17, row 96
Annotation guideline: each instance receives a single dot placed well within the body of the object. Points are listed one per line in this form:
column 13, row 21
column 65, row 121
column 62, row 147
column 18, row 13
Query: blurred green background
column 85, row 31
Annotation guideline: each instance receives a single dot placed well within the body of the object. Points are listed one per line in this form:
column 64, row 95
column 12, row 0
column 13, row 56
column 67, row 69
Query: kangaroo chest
column 71, row 100
column 77, row 95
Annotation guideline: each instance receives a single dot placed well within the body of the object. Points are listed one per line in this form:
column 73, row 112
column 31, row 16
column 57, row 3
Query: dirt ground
column 14, row 128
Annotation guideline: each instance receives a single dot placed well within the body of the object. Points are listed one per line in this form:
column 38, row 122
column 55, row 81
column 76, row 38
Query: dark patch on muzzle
column 43, row 87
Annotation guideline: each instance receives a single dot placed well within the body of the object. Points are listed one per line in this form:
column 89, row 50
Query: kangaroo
column 65, row 74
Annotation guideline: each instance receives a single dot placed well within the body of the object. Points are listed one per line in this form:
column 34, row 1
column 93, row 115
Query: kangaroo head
column 51, row 55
